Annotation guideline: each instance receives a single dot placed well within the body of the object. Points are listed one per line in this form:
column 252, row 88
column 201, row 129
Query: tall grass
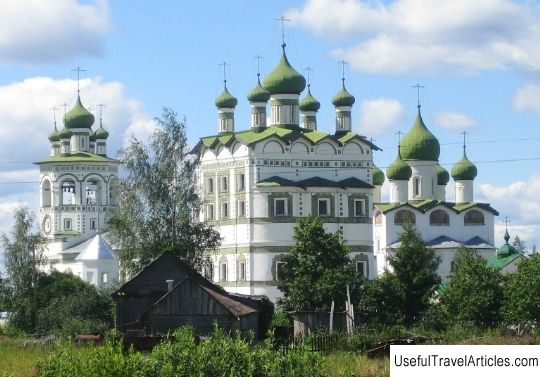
column 15, row 360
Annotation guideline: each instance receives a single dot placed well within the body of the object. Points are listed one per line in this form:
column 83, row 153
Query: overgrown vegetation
column 218, row 355
column 318, row 270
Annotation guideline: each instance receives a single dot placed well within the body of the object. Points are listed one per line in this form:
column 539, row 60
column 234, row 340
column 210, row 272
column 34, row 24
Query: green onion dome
column 378, row 176
column 65, row 133
column 284, row 79
column 419, row 143
column 343, row 97
column 399, row 170
column 464, row 169
column 258, row 93
column 442, row 175
column 78, row 116
column 53, row 136
column 225, row 100
column 92, row 136
column 101, row 133
column 309, row 103
column 506, row 249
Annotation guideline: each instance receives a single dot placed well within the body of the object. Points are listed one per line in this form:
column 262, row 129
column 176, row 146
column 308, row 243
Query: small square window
column 225, row 210
column 359, row 208
column 223, row 271
column 67, row 224
column 224, row 184
column 324, row 207
column 279, row 271
column 280, row 207
column 361, row 268
column 104, row 277
column 209, row 212
column 241, row 210
column 240, row 182
column 242, row 270
column 209, row 185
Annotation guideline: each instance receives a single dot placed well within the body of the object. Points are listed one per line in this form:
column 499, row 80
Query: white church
column 75, row 196
column 255, row 183
column 418, row 186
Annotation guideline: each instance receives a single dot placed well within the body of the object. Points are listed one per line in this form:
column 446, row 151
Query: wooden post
column 332, row 317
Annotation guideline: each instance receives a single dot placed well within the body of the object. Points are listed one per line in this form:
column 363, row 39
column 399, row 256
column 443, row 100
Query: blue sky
column 478, row 61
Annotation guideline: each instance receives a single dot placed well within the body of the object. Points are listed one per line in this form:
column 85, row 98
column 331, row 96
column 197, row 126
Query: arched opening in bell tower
column 46, row 193
column 68, row 192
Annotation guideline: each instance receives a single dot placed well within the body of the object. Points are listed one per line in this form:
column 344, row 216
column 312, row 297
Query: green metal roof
column 284, row 79
column 78, row 116
column 399, row 170
column 419, row 143
column 442, row 175
column 464, row 169
column 225, row 100
column 309, row 103
column 378, row 176
column 287, row 135
column 67, row 233
column 426, row 205
column 77, row 157
column 258, row 93
column 499, row 261
column 276, row 181
column 343, row 97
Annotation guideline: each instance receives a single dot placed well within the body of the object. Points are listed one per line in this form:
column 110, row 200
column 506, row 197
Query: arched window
column 46, row 194
column 91, row 192
column 378, row 218
column 474, row 217
column 404, row 216
column 439, row 217
column 68, row 192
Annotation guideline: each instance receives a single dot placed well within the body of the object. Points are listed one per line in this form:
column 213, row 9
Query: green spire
column 78, row 116
column 399, row 170
column 506, row 249
column 284, row 79
column 225, row 99
column 65, row 133
column 378, row 176
column 101, row 133
column 419, row 143
column 442, row 175
column 309, row 103
column 54, row 135
column 343, row 97
column 258, row 93
column 464, row 169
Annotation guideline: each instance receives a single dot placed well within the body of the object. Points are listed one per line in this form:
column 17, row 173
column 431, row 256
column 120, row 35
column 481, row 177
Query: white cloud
column 379, row 115
column 428, row 35
column 52, row 30
column 527, row 98
column 455, row 121
column 519, row 201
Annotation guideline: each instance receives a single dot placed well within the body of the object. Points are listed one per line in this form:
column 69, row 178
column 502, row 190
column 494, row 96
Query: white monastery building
column 418, row 187
column 257, row 182
column 75, row 186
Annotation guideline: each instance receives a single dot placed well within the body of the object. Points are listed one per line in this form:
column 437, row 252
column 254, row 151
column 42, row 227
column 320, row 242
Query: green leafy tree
column 522, row 301
column 414, row 266
column 23, row 255
column 381, row 301
column 520, row 245
column 157, row 201
column 69, row 305
column 317, row 270
column 475, row 293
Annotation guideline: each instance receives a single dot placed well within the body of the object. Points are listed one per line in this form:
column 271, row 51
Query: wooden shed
column 168, row 293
